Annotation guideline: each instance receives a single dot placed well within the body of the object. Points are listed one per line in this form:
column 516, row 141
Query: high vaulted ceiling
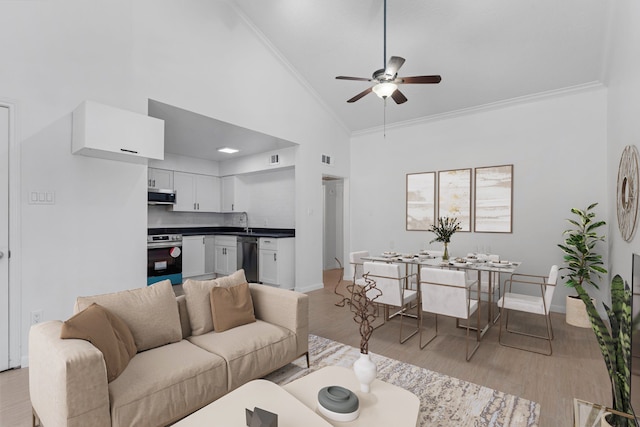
column 487, row 51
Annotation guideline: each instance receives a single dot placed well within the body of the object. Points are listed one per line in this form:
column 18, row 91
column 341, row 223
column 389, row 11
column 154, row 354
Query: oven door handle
column 156, row 245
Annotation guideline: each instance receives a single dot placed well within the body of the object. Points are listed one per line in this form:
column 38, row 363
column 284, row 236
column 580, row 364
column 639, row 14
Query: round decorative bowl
column 338, row 403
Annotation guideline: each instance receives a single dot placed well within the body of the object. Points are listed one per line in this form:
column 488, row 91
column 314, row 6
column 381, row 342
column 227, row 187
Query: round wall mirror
column 627, row 192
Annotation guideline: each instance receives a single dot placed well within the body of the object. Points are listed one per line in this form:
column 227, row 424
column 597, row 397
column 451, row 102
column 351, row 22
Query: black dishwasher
column 248, row 257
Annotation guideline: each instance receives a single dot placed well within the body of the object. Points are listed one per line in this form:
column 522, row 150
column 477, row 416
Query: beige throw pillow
column 231, row 306
column 197, row 293
column 236, row 278
column 107, row 332
column 150, row 312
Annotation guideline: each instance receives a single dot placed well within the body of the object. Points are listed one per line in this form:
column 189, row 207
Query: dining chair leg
column 547, row 338
column 475, row 348
column 403, row 340
column 433, row 337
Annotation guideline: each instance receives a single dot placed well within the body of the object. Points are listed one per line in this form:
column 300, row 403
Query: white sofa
column 178, row 373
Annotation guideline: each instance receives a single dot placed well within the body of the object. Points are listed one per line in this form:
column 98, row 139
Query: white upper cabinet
column 233, row 195
column 160, row 178
column 196, row 193
column 112, row 133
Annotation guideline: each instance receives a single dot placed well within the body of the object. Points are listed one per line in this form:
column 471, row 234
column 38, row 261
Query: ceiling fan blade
column 360, row 95
column 398, row 97
column 393, row 65
column 362, row 79
column 419, row 79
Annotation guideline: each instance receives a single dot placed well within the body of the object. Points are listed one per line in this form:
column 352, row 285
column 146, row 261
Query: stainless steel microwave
column 161, row 197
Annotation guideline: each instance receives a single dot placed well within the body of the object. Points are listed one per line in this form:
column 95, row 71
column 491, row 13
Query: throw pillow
column 236, row 278
column 231, row 306
column 107, row 332
column 197, row 293
column 150, row 312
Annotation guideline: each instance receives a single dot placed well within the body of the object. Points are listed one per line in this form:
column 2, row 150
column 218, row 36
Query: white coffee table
column 386, row 405
column 229, row 410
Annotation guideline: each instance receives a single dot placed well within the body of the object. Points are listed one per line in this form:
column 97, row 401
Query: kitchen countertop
column 231, row 231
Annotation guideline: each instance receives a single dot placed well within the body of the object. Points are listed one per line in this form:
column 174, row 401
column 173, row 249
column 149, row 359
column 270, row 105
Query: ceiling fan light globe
column 385, row 89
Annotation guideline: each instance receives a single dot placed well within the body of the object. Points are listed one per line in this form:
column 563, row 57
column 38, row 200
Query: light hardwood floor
column 575, row 369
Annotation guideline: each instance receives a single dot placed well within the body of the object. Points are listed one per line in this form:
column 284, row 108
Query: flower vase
column 445, row 255
column 365, row 371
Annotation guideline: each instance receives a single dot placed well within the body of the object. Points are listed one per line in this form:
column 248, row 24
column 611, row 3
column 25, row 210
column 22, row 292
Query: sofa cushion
column 184, row 315
column 231, row 306
column 251, row 350
column 107, row 332
column 165, row 384
column 197, row 293
column 150, row 312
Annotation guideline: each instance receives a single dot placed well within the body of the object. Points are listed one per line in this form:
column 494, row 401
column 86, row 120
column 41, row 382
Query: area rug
column 444, row 400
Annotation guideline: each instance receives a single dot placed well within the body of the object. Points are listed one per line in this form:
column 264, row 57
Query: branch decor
column 361, row 304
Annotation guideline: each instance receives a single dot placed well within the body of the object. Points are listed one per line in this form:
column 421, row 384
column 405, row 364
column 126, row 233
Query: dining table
column 473, row 262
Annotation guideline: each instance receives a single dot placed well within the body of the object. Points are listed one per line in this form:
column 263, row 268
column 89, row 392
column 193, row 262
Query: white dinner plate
column 500, row 264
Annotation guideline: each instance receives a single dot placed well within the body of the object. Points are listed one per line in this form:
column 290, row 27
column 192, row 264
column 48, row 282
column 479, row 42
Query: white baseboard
column 309, row 288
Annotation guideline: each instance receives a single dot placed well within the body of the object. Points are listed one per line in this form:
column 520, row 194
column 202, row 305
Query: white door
column 4, row 238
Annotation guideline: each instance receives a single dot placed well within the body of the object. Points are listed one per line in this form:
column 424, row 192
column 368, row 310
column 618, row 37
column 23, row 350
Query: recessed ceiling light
column 227, row 150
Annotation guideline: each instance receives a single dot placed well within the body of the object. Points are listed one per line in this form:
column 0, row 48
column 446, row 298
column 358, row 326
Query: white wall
column 91, row 239
column 121, row 53
column 622, row 120
column 557, row 146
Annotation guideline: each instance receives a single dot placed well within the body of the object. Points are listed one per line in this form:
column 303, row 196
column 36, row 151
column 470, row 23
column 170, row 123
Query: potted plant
column 443, row 230
column 584, row 266
column 582, row 262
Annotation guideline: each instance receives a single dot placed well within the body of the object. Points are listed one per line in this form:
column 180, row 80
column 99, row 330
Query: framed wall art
column 421, row 200
column 494, row 199
column 454, row 196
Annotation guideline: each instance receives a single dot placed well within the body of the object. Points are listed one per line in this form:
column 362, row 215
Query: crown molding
column 486, row 107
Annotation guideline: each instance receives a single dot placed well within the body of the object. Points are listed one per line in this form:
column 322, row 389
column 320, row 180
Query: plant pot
column 577, row 312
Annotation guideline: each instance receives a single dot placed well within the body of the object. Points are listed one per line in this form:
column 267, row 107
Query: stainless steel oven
column 164, row 258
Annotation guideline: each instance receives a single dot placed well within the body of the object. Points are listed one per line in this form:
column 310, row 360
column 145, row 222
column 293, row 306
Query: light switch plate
column 42, row 197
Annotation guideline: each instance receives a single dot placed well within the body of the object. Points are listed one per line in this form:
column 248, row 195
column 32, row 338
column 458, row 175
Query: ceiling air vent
column 326, row 159
column 274, row 159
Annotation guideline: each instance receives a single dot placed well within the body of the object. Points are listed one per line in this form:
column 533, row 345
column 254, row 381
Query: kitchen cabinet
column 99, row 130
column 197, row 256
column 233, row 194
column 226, row 255
column 276, row 262
column 196, row 193
column 160, row 178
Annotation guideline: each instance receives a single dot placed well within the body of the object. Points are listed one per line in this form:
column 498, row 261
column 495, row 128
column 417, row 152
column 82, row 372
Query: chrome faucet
column 246, row 221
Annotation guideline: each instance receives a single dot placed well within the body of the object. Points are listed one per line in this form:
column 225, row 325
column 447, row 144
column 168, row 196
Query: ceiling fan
column 386, row 79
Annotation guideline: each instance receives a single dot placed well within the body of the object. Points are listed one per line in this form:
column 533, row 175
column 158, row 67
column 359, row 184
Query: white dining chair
column 490, row 281
column 448, row 292
column 393, row 285
column 356, row 261
column 539, row 304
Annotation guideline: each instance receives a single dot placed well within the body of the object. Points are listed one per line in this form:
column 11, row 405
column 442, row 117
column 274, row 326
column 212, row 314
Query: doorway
column 4, row 238
column 333, row 222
